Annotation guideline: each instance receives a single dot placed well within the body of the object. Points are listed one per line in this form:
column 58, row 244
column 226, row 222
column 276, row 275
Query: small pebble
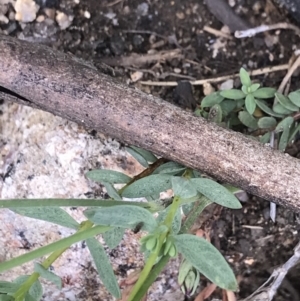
column 231, row 3
column 137, row 75
column 50, row 12
column 180, row 15
column 3, row 19
column 40, row 18
column 87, row 14
column 142, row 9
column 227, row 85
column 63, row 20
column 26, row 10
column 208, row 89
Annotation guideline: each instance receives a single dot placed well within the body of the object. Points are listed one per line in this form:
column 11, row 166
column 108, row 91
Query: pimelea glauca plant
column 166, row 236
column 261, row 110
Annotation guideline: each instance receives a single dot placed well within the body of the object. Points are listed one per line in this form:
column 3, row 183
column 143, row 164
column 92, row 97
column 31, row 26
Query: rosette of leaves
column 248, row 106
column 250, row 93
column 247, row 99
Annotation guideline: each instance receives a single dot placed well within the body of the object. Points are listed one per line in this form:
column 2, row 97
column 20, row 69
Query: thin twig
column 217, row 33
column 113, row 3
column 289, row 74
column 252, row 227
column 166, row 74
column 263, row 28
column 220, row 78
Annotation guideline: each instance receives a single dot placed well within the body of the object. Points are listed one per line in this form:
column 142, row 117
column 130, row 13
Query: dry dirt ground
column 173, row 33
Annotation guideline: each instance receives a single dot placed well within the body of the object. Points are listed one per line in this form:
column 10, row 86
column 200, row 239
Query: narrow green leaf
column 216, row 193
column 148, row 186
column 176, row 224
column 267, row 122
column 171, row 168
column 186, row 208
column 248, row 120
column 28, row 297
column 245, row 89
column 295, row 97
column 193, row 215
column 265, row 138
column 284, row 138
column 254, row 87
column 211, row 99
column 207, row 259
column 284, row 126
column 286, row 102
column 122, row 216
column 153, row 197
column 46, row 203
column 46, row 274
column 183, row 188
column 264, row 93
column 58, row 245
column 245, row 77
column 227, row 106
column 113, row 237
column 35, row 291
column 250, row 104
column 137, row 156
column 148, row 156
column 295, row 130
column 240, row 103
column 54, row 215
column 8, row 287
column 110, row 176
column 280, row 109
column 215, row 114
column 233, row 94
column 104, row 267
column 232, row 189
column 6, row 298
column 266, row 109
column 111, row 191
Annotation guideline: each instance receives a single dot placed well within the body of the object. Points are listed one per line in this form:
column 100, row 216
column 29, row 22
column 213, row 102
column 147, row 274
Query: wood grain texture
column 63, row 85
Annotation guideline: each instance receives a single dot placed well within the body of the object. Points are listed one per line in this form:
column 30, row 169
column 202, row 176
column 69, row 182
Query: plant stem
column 24, row 203
column 153, row 257
column 157, row 269
column 58, row 245
column 24, row 288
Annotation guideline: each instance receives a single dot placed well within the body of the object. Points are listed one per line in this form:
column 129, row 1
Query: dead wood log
column 59, row 83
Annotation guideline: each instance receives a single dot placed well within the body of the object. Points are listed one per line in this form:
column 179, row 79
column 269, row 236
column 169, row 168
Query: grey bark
column 63, row 85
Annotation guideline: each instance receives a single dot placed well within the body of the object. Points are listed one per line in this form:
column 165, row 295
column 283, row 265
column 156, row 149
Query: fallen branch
column 66, row 86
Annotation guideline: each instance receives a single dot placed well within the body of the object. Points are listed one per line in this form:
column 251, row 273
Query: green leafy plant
column 261, row 110
column 165, row 236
